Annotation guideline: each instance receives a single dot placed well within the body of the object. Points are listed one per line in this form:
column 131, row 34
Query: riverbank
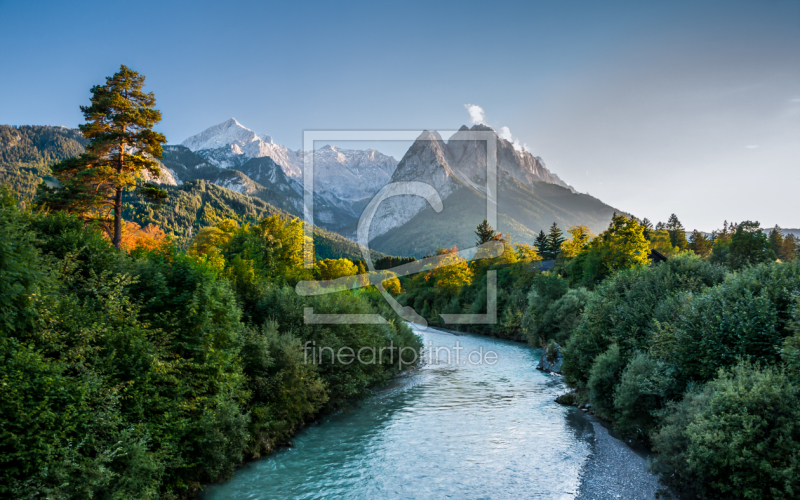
column 614, row 469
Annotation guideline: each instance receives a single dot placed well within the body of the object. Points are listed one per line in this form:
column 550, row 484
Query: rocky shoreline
column 614, row 469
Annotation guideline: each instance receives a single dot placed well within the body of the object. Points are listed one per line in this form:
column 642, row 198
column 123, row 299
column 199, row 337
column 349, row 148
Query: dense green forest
column 197, row 204
column 697, row 356
column 152, row 338
column 145, row 373
column 138, row 363
column 28, row 151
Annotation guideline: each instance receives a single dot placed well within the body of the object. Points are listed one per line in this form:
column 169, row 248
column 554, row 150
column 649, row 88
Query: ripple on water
column 445, row 431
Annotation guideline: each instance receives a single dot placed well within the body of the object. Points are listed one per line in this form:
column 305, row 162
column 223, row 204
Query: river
column 485, row 427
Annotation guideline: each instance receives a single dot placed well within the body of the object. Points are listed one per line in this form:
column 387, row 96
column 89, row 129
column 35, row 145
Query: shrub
column 623, row 308
column 747, row 316
column 737, row 437
column 603, row 376
column 645, row 386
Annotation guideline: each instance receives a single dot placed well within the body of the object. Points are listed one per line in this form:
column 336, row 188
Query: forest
column 698, row 356
column 152, row 338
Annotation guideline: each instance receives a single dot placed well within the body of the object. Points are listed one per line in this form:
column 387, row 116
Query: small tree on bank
column 484, row 232
column 122, row 147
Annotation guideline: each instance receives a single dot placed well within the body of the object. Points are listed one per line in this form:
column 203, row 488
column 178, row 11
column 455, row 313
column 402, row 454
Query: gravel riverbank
column 614, row 470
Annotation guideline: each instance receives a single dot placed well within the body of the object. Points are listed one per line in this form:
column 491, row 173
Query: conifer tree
column 677, row 233
column 485, row 232
column 122, row 148
column 554, row 240
column 541, row 244
column 791, row 247
column 700, row 244
column 647, row 227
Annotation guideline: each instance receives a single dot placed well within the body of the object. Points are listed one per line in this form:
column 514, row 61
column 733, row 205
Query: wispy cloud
column 505, row 133
column 476, row 114
column 752, row 146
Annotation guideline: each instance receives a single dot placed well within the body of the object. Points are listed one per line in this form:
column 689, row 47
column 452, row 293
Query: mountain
column 28, row 151
column 529, row 197
column 341, row 176
column 231, row 156
column 352, row 174
column 230, row 145
column 262, row 178
column 199, row 203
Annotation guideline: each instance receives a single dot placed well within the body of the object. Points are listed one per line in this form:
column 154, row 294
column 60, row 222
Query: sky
column 655, row 108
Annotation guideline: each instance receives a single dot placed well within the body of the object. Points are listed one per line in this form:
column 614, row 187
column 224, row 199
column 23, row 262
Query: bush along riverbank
column 697, row 356
column 148, row 372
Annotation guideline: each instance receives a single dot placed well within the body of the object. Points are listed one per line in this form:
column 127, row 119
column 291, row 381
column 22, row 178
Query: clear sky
column 652, row 106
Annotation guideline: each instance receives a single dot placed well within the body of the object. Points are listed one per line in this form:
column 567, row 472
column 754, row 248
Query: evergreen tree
column 647, row 227
column 485, row 232
column 791, row 247
column 554, row 240
column 749, row 245
column 541, row 244
column 700, row 244
column 677, row 233
column 122, row 148
column 776, row 239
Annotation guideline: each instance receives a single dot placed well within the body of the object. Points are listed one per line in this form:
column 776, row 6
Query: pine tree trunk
column 118, row 219
column 118, row 201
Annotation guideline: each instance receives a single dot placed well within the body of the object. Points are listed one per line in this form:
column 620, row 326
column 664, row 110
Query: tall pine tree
column 554, row 240
column 122, row 147
column 677, row 233
column 541, row 244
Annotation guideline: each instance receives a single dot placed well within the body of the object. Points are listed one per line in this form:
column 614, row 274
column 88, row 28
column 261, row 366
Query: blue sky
column 653, row 107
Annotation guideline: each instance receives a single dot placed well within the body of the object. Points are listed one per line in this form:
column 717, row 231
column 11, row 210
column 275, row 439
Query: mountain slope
column 198, row 203
column 529, row 197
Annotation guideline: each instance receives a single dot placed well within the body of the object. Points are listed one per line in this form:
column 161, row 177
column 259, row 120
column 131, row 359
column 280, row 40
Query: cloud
column 505, row 134
column 752, row 146
column 476, row 114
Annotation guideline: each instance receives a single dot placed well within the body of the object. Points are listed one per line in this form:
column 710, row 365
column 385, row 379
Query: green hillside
column 522, row 211
column 27, row 151
column 195, row 204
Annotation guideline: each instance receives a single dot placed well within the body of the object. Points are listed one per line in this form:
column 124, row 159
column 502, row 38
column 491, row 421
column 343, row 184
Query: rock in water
column 551, row 359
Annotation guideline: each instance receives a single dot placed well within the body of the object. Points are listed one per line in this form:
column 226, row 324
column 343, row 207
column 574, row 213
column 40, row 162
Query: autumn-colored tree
column 331, row 269
column 526, row 253
column 660, row 240
column 122, row 150
column 579, row 237
column 391, row 283
column 453, row 273
column 145, row 238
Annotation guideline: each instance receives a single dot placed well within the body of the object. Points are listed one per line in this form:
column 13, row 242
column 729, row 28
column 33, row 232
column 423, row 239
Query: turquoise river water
column 482, row 428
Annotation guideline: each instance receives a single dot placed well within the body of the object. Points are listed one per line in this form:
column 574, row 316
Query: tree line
column 136, row 364
column 696, row 356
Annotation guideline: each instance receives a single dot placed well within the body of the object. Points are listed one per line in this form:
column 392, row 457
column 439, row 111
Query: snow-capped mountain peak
column 226, row 133
column 230, row 144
